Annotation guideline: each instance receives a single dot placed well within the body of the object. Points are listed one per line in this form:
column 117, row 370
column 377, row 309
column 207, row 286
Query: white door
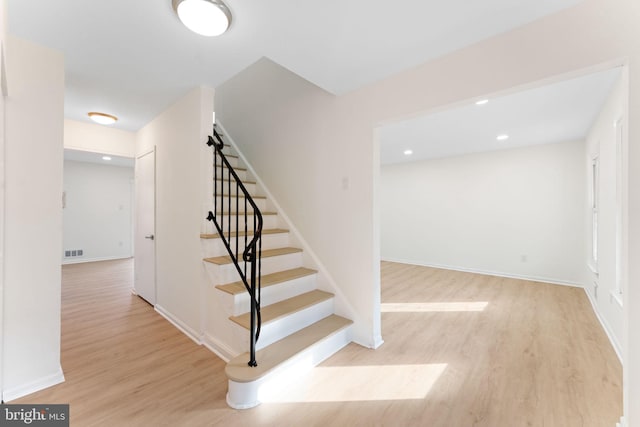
column 145, row 243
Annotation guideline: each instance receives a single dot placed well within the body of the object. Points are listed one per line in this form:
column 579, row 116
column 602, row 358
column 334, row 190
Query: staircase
column 297, row 325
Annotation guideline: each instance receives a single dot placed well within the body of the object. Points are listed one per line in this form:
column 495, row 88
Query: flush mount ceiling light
column 205, row 17
column 408, row 152
column 102, row 118
column 502, row 137
column 482, row 102
column 107, row 158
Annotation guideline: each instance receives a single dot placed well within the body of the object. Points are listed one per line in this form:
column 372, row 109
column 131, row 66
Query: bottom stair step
column 282, row 362
column 278, row 353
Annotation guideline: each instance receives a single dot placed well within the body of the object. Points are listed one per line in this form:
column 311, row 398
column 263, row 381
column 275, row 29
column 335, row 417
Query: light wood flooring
column 460, row 350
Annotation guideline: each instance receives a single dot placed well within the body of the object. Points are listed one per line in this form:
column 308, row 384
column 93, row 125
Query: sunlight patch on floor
column 360, row 383
column 427, row 307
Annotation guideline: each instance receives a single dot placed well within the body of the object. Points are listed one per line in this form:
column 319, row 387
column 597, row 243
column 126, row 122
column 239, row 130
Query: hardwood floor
column 460, row 350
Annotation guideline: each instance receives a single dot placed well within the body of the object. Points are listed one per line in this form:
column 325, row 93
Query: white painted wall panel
column 516, row 213
column 98, row 138
column 33, row 217
column 179, row 135
column 286, row 128
column 98, row 214
column 601, row 143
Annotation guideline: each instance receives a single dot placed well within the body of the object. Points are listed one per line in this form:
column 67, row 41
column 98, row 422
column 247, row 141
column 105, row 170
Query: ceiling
column 133, row 58
column 559, row 112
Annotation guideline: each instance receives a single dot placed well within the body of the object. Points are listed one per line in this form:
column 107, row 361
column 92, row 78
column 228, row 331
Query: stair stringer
column 324, row 280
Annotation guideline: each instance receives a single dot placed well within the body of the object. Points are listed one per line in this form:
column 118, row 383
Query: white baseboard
column 377, row 341
column 34, row 386
column 184, row 328
column 221, row 350
column 372, row 342
column 211, row 343
column 66, row 261
column 605, row 325
column 540, row 279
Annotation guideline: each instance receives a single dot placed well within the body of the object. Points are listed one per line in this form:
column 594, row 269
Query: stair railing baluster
column 221, row 199
column 246, row 231
column 237, row 217
column 215, row 182
column 229, row 202
column 252, row 248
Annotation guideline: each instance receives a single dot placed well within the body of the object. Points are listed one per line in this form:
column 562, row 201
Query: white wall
column 516, row 213
column 98, row 139
column 581, row 38
column 33, row 218
column 97, row 217
column 179, row 135
column 601, row 143
column 284, row 125
column 3, row 94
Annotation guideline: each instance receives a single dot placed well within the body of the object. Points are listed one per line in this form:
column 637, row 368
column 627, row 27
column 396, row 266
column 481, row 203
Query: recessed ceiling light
column 408, row 152
column 102, row 118
column 205, row 17
column 482, row 102
column 106, row 158
column 502, row 137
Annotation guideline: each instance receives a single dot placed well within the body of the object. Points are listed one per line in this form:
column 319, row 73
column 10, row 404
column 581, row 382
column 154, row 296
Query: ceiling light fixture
column 102, row 118
column 482, row 102
column 106, row 158
column 408, row 152
column 205, row 17
column 502, row 137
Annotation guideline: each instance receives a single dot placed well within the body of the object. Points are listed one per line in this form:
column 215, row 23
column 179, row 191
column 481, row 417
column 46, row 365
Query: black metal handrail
column 230, row 235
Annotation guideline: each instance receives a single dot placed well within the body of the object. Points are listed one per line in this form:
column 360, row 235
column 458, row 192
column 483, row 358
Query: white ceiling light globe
column 205, row 17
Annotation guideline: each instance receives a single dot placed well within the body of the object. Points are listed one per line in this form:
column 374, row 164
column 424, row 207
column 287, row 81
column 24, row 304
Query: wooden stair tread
column 233, row 196
column 283, row 308
column 267, row 280
column 243, row 233
column 233, row 180
column 248, row 213
column 226, row 259
column 235, row 169
column 279, row 352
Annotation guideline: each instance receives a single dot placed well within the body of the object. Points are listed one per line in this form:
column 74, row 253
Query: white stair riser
column 281, row 263
column 227, row 273
column 248, row 395
column 287, row 325
column 224, row 202
column 223, row 188
column 235, row 305
column 223, row 173
column 268, row 221
column 233, row 161
column 215, row 247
